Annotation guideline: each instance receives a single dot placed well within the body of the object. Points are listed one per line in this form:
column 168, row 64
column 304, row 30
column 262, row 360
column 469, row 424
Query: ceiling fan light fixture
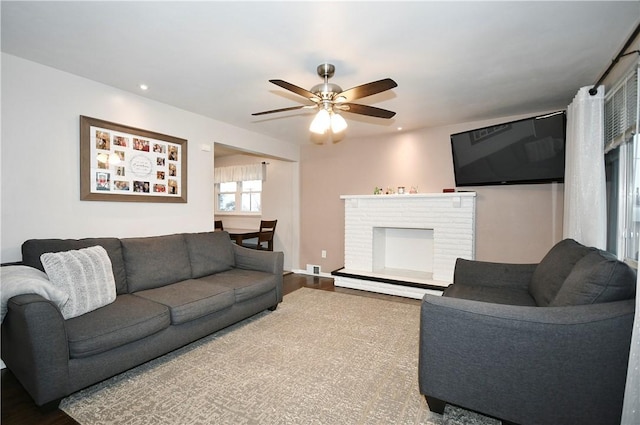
column 338, row 124
column 321, row 122
column 330, row 99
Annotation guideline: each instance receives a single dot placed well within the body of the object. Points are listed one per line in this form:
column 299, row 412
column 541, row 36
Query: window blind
column 621, row 111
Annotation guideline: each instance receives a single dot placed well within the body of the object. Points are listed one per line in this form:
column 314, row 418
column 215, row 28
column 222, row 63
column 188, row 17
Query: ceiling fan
column 329, row 99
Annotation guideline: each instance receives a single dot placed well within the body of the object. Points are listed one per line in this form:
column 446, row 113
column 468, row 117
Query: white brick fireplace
column 406, row 244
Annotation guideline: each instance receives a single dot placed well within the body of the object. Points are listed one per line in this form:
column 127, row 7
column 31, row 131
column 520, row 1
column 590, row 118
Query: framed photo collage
column 120, row 163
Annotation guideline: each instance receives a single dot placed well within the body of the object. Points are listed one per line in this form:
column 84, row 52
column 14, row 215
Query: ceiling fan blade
column 291, row 108
column 366, row 110
column 368, row 89
column 297, row 90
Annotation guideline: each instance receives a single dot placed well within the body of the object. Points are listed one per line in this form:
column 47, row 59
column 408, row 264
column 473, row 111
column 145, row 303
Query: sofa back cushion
column 598, row 277
column 34, row 248
column 209, row 253
column 155, row 261
column 554, row 268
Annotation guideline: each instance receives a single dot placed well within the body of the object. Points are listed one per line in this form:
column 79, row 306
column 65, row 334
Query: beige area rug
column 320, row 358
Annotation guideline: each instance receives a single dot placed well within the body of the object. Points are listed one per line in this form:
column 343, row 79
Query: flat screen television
column 526, row 151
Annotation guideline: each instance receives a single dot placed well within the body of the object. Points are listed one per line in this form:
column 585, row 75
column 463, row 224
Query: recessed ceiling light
column 399, row 128
column 144, row 87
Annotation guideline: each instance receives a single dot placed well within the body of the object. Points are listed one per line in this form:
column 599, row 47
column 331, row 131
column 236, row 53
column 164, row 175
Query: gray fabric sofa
column 543, row 343
column 171, row 291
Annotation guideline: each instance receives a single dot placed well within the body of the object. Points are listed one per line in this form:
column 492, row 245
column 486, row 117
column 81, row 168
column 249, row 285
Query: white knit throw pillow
column 85, row 274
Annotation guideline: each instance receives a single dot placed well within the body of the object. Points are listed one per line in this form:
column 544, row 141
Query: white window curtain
column 239, row 173
column 584, row 182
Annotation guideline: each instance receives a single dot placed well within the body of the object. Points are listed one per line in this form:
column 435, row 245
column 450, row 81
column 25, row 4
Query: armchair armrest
column 483, row 273
column 34, row 346
column 560, row 365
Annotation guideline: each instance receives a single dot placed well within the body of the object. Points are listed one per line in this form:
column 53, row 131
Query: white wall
column 40, row 160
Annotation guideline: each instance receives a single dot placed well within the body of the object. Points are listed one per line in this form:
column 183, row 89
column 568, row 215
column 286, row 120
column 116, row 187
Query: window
column 227, row 196
column 250, row 195
column 238, row 189
column 239, row 197
column 622, row 165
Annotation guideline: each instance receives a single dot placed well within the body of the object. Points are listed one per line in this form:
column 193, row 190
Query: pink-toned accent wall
column 514, row 223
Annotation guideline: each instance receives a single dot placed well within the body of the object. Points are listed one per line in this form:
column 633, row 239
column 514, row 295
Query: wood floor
column 18, row 408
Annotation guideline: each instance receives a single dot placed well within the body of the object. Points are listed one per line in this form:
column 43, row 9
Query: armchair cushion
column 496, row 275
column 491, row 294
column 554, row 268
column 598, row 277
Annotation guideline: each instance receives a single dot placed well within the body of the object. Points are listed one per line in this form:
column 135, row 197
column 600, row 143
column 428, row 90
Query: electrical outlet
column 324, row 253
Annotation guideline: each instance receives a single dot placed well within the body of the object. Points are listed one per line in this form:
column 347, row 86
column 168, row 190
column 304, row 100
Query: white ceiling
column 453, row 61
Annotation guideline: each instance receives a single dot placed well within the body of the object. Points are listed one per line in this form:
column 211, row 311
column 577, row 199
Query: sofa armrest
column 253, row 259
column 527, row 364
column 264, row 261
column 35, row 348
column 484, row 273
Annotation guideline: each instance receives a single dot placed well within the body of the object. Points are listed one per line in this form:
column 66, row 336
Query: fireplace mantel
column 450, row 195
column 449, row 216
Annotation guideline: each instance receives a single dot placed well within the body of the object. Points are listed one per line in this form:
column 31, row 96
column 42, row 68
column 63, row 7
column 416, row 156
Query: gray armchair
column 531, row 344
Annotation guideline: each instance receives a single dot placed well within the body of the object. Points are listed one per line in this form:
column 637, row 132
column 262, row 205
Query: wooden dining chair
column 218, row 225
column 265, row 237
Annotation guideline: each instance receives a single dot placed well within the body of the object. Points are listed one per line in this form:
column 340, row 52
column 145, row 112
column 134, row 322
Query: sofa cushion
column 34, row 248
column 554, row 268
column 490, row 294
column 127, row 319
column 155, row 261
column 190, row 299
column 598, row 277
column 209, row 253
column 85, row 275
column 246, row 284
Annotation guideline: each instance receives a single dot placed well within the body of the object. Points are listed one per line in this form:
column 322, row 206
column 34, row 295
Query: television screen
column 519, row 152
